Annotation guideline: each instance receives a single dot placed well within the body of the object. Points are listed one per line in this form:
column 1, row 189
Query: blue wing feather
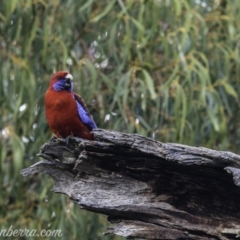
column 83, row 113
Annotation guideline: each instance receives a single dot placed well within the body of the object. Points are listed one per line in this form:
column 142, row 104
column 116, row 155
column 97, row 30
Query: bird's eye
column 58, row 77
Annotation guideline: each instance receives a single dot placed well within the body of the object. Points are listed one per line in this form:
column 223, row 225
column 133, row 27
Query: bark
column 148, row 189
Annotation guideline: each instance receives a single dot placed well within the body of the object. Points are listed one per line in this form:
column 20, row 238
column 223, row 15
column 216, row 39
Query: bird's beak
column 68, row 78
column 68, row 83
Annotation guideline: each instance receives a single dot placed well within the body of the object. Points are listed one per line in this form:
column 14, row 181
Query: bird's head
column 61, row 81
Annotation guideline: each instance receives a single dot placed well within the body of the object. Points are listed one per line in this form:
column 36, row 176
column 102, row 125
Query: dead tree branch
column 148, row 189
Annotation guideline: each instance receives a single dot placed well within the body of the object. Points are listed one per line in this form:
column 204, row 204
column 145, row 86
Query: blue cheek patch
column 59, row 86
column 84, row 116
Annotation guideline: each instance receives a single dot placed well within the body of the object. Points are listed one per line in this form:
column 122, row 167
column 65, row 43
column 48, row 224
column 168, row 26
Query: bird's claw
column 67, row 139
column 61, row 140
column 53, row 139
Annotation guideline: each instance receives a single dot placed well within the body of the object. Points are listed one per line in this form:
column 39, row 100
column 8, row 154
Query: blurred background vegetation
column 166, row 69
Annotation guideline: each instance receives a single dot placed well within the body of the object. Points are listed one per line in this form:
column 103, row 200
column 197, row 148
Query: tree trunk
column 148, row 189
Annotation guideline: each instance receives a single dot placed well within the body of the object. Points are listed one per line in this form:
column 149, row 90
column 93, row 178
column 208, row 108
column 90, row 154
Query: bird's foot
column 61, row 140
column 67, row 139
column 53, row 139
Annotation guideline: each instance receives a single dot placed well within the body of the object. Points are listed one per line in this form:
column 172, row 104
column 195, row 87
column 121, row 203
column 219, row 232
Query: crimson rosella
column 66, row 112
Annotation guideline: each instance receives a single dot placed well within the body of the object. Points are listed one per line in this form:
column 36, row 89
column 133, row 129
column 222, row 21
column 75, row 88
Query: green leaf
column 149, row 84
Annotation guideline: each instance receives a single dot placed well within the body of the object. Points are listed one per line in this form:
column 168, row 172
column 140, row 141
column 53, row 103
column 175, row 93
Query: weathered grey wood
column 149, row 189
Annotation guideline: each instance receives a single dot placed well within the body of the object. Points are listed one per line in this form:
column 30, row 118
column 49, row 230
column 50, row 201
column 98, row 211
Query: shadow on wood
column 148, row 189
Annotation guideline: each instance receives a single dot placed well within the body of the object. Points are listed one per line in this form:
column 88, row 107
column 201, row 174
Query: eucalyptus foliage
column 166, row 69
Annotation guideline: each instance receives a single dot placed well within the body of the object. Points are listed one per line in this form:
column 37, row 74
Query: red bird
column 66, row 112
